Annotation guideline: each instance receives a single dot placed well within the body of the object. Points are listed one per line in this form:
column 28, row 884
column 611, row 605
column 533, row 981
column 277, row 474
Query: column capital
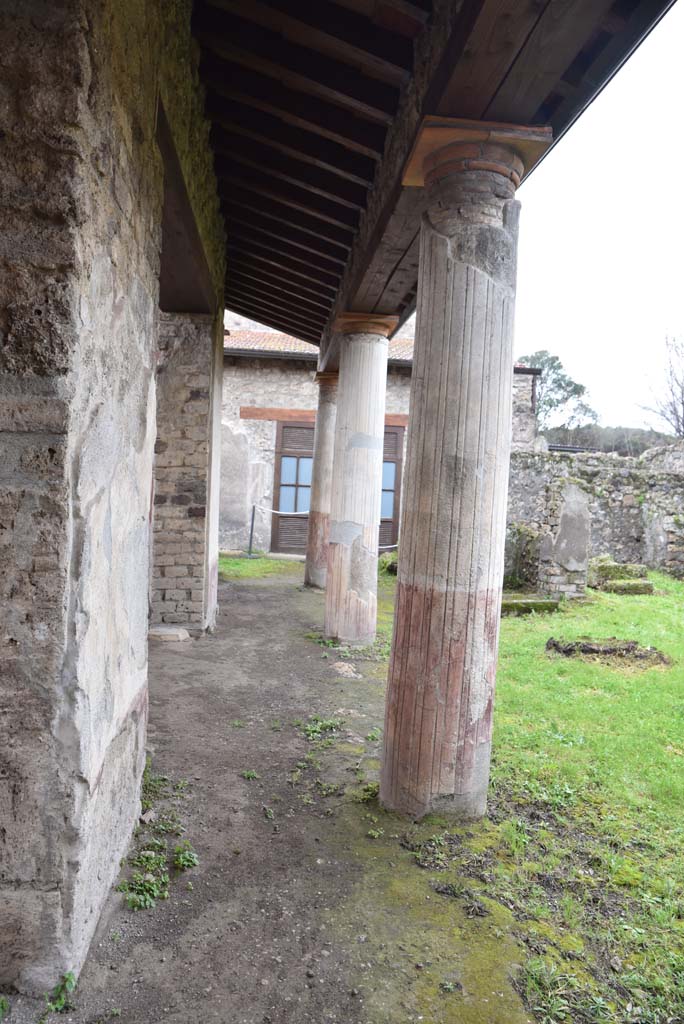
column 366, row 323
column 448, row 145
column 326, row 378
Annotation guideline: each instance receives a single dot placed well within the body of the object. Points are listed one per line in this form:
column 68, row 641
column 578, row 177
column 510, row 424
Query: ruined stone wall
column 631, row 507
column 248, row 446
column 80, row 204
column 180, row 591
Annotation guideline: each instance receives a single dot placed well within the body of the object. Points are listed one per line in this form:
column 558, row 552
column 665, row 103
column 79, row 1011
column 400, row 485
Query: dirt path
column 304, row 908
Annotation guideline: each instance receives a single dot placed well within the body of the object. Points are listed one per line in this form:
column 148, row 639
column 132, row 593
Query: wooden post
column 315, row 570
column 442, row 672
column 351, row 592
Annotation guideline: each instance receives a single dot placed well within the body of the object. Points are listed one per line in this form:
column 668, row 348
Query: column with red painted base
column 441, row 683
column 315, row 569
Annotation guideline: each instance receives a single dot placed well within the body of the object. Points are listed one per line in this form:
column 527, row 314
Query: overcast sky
column 601, row 273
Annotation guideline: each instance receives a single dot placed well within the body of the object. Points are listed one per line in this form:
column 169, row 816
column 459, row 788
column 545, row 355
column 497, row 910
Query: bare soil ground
column 295, row 914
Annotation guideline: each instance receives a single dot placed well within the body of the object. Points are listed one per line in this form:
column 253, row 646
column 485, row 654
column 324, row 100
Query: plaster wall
column 80, row 204
column 248, row 446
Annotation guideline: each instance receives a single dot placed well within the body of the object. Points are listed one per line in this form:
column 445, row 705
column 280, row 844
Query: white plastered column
column 351, row 592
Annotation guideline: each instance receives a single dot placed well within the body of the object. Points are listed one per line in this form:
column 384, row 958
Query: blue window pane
column 288, row 470
column 388, row 471
column 387, row 505
column 287, row 499
column 305, row 471
column 303, row 496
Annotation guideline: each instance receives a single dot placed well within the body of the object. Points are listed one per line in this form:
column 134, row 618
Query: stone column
column 351, row 594
column 441, row 683
column 315, row 570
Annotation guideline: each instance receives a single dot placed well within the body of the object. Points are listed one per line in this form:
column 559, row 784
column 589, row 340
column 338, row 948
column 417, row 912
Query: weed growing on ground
column 369, row 793
column 58, row 1000
column 250, row 774
column 374, row 735
column 184, row 857
column 237, row 723
column 4, row 1007
column 318, row 728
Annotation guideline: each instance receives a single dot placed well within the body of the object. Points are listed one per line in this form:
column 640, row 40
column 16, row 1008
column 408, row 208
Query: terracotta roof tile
column 272, row 341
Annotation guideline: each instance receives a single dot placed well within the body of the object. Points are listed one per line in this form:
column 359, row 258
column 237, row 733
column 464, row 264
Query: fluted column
column 351, row 591
column 443, row 666
column 315, row 570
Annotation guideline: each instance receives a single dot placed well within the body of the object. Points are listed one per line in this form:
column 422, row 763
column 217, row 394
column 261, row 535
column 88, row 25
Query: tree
column 670, row 406
column 557, row 394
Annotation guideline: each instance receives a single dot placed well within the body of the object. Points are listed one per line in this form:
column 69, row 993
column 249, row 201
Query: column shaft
column 443, row 665
column 315, row 570
column 351, row 595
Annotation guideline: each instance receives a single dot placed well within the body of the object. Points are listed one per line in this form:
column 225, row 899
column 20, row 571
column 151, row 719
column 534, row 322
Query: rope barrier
column 276, row 512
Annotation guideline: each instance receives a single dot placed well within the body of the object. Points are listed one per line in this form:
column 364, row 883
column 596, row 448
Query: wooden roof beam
column 240, row 119
column 244, row 199
column 240, row 234
column 294, row 108
column 276, row 282
column 237, row 40
column 333, row 31
column 284, row 192
column 278, row 323
column 285, row 299
column 270, row 228
column 274, row 305
column 296, row 172
column 246, row 256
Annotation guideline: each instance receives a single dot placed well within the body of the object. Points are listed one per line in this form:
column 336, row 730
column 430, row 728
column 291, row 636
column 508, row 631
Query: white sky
column 600, row 272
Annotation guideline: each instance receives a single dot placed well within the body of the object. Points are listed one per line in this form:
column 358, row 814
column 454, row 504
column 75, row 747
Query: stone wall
column 184, row 575
column 629, row 508
column 80, row 204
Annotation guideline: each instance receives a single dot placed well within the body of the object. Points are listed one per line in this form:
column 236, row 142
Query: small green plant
column 374, row 735
column 326, row 788
column 276, row 725
column 250, row 774
column 58, row 1001
column 317, row 728
column 448, row 986
column 4, row 1007
column 375, row 833
column 168, row 824
column 154, row 787
column 369, row 793
column 269, row 814
column 184, row 857
column 143, row 891
column 237, row 723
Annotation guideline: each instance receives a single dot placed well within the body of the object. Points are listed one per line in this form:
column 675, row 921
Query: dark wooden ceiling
column 311, row 127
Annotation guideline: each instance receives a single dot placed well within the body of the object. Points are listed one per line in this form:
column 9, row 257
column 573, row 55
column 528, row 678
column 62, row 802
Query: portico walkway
column 295, row 915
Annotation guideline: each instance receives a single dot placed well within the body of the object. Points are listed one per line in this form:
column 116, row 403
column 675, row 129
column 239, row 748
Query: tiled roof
column 271, row 341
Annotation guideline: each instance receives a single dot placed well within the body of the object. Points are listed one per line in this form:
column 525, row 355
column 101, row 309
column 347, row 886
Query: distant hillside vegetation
column 623, row 440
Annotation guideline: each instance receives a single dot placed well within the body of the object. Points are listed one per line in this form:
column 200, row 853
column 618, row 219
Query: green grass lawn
column 588, row 811
column 239, row 567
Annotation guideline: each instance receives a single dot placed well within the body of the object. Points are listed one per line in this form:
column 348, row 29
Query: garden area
column 579, row 861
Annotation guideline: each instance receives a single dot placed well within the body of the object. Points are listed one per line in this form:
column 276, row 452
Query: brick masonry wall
column 181, row 471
